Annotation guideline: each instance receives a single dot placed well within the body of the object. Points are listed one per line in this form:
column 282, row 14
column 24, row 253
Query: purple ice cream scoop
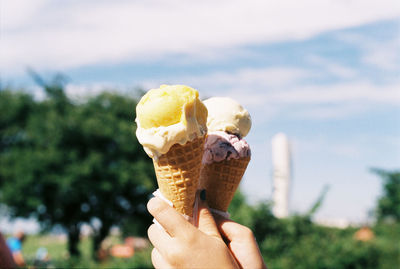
column 221, row 146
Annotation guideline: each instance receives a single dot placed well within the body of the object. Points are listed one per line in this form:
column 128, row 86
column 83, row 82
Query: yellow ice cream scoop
column 172, row 114
column 168, row 105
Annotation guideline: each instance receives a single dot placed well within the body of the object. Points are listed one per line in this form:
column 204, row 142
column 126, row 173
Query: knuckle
column 175, row 255
column 150, row 230
column 153, row 254
column 156, row 258
column 155, row 206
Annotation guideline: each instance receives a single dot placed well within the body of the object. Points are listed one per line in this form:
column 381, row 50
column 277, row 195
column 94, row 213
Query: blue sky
column 327, row 73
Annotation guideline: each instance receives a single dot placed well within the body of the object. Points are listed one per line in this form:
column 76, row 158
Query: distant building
column 341, row 223
column 281, row 160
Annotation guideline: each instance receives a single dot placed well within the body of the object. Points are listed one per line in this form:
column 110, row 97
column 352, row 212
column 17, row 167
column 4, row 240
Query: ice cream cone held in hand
column 226, row 153
column 171, row 126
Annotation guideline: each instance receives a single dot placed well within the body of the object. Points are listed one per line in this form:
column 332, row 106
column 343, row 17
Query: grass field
column 59, row 258
column 301, row 246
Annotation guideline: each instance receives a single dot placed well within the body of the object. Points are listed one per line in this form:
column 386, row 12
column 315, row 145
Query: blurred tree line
column 388, row 208
column 68, row 163
column 298, row 242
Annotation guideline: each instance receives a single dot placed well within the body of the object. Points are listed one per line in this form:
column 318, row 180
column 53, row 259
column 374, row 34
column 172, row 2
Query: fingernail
column 203, row 195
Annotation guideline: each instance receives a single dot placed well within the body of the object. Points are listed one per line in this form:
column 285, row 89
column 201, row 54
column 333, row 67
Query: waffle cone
column 178, row 173
column 221, row 180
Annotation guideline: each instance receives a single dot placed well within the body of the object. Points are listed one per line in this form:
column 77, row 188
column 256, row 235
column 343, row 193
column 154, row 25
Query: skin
column 182, row 245
column 18, row 258
column 241, row 243
column 204, row 245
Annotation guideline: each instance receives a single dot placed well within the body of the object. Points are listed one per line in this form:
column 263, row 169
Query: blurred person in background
column 15, row 245
column 125, row 250
column 6, row 259
column 42, row 259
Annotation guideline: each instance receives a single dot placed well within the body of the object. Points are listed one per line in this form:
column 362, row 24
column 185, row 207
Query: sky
column 324, row 72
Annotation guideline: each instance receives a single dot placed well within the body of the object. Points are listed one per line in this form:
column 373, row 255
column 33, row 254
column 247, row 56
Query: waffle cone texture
column 178, row 173
column 221, row 180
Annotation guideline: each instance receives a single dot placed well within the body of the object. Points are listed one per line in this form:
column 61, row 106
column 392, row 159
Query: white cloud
column 322, row 112
column 332, row 68
column 269, row 91
column 251, row 79
column 16, row 14
column 335, row 93
column 383, row 54
column 322, row 102
column 48, row 34
column 291, row 86
column 343, row 149
column 82, row 92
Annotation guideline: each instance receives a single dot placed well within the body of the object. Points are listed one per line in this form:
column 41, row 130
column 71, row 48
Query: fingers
column 241, row 242
column 206, row 220
column 158, row 260
column 233, row 231
column 173, row 222
column 158, row 237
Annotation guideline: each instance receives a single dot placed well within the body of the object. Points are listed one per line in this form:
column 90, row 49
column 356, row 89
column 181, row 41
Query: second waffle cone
column 178, row 173
column 221, row 180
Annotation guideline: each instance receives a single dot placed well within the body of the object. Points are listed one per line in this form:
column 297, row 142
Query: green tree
column 69, row 163
column 389, row 203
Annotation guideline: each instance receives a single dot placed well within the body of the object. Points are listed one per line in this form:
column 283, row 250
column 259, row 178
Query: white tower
column 281, row 161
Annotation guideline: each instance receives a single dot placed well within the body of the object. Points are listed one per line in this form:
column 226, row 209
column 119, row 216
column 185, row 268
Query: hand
column 241, row 243
column 181, row 244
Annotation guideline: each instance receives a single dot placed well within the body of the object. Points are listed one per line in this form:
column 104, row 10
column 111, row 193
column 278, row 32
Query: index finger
column 173, row 222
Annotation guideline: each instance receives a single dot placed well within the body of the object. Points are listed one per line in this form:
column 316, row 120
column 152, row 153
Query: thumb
column 206, row 220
